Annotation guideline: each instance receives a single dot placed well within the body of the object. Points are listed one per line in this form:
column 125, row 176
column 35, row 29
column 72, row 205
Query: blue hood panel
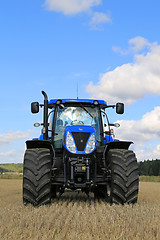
column 79, row 133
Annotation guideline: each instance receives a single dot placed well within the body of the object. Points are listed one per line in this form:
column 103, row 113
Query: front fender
column 40, row 144
column 116, row 145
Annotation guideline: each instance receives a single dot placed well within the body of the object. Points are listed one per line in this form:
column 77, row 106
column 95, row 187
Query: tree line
column 149, row 167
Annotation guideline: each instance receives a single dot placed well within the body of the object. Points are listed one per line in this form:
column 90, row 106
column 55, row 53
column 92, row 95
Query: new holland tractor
column 74, row 151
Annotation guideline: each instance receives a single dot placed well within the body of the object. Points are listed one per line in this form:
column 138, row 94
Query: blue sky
column 110, row 48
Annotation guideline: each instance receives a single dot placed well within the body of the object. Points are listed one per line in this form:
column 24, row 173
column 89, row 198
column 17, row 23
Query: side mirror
column 34, row 107
column 120, row 108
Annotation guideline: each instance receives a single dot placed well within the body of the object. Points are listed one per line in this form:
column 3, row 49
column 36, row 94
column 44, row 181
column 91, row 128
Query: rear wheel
column 124, row 183
column 37, row 176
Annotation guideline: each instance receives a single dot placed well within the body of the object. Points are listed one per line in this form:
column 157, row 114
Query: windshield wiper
column 86, row 110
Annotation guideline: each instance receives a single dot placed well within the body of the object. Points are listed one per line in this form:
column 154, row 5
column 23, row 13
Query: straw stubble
column 75, row 216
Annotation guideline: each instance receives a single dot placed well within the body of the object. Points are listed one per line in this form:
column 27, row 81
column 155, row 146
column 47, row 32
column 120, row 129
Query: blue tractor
column 75, row 152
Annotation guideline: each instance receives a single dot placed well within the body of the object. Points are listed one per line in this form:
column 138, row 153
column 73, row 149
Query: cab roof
column 102, row 103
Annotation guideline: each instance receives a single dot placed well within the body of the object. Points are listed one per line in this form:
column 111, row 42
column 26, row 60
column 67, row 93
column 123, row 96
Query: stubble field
column 75, row 216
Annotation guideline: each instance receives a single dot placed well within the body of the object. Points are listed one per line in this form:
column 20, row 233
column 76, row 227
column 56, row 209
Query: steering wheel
column 74, row 122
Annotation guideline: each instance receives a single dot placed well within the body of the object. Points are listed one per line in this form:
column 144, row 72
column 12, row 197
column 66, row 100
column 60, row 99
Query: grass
column 76, row 217
column 11, row 167
column 149, row 178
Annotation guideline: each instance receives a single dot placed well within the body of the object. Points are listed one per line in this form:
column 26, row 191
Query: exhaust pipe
column 45, row 116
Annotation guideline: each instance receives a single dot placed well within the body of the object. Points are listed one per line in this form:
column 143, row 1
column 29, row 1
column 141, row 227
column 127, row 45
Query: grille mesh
column 80, row 139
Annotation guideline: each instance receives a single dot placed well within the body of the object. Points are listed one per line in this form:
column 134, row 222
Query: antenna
column 77, row 89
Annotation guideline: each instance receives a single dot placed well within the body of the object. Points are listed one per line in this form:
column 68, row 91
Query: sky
column 110, row 49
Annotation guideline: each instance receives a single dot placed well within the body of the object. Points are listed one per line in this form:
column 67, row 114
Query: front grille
column 80, row 139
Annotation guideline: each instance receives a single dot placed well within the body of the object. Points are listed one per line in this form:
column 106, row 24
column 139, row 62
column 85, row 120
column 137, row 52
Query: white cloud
column 11, row 136
column 142, row 132
column 146, row 151
column 132, row 81
column 99, row 18
column 12, row 145
column 136, row 45
column 139, row 43
column 12, row 156
column 156, row 152
column 71, row 7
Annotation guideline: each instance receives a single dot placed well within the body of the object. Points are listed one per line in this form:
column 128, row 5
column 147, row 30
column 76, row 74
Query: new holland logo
column 80, row 129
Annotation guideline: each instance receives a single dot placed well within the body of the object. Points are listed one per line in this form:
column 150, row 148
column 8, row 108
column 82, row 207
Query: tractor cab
column 74, row 122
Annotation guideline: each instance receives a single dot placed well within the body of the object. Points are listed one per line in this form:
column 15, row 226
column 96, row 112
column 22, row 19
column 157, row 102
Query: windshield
column 78, row 115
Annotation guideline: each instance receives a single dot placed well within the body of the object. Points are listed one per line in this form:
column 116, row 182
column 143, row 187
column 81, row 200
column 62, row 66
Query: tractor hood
column 79, row 139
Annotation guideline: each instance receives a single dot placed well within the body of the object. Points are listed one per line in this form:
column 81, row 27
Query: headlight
column 91, row 144
column 70, row 143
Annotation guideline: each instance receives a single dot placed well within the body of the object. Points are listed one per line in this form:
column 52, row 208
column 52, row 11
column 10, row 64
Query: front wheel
column 124, row 183
column 37, row 176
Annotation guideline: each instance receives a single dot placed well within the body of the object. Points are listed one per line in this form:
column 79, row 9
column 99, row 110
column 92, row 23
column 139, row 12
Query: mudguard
column 116, row 145
column 40, row 144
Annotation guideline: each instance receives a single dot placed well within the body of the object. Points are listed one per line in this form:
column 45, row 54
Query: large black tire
column 37, row 177
column 124, row 184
